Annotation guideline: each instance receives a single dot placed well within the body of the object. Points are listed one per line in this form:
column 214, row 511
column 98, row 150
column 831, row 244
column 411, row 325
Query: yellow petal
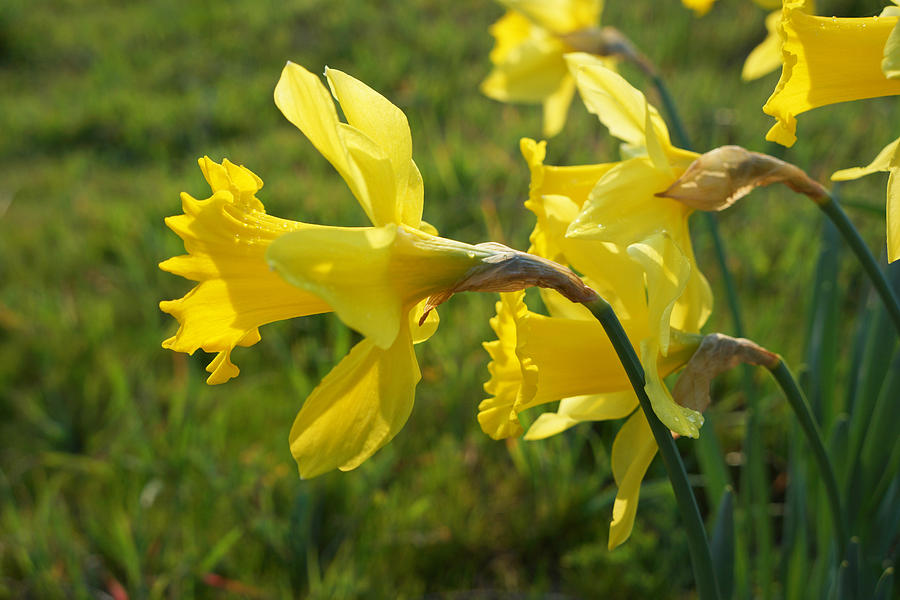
column 622, row 207
column 556, row 106
column 766, row 57
column 700, row 7
column 666, row 273
column 887, row 160
column 890, row 63
column 372, row 276
column 681, row 420
column 226, row 237
column 558, row 16
column 578, row 409
column 497, row 415
column 893, row 215
column 574, row 182
column 620, row 107
column 372, row 153
column 531, row 73
column 632, row 452
column 387, row 126
column 357, row 408
column 826, row 60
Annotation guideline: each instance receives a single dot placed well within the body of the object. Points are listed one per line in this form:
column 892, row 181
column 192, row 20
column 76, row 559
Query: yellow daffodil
column 539, row 359
column 828, row 60
column 530, row 41
column 632, row 247
column 887, row 160
column 253, row 269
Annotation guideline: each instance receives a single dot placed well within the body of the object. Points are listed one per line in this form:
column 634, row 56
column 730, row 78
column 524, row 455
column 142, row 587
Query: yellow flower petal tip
column 356, row 409
column 372, row 151
column 226, row 237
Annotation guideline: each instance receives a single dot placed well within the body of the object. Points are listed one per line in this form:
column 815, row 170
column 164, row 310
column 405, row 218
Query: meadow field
column 122, row 474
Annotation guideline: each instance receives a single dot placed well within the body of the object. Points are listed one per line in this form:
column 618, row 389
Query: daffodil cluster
column 827, row 60
column 383, row 280
column 634, row 248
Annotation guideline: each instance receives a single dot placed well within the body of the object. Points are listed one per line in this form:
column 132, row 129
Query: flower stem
column 833, row 211
column 804, row 415
column 698, row 545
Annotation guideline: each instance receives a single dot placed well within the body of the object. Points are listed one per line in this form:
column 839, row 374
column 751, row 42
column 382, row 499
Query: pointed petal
column 888, row 157
column 826, row 60
column 385, row 125
column 632, row 452
column 556, row 107
column 364, row 163
column 622, row 207
column 622, row 108
column 371, row 276
column 530, row 73
column 666, row 272
column 766, row 57
column 890, row 63
column 681, row 420
column 356, row 409
column 226, row 237
column 578, row 409
column 893, row 215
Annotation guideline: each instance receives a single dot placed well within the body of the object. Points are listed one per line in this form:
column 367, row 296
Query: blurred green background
column 120, row 470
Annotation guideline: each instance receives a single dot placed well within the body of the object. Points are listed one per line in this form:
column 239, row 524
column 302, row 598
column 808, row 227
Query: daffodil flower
column 539, row 359
column 531, row 39
column 598, row 223
column 383, row 280
column 828, row 60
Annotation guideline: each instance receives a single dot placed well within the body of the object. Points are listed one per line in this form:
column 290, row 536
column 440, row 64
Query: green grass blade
column 722, row 544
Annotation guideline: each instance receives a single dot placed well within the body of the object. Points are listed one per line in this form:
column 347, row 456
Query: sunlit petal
column 357, row 408
column 887, row 160
column 826, row 60
column 371, row 276
column 766, row 57
column 632, row 452
column 578, row 409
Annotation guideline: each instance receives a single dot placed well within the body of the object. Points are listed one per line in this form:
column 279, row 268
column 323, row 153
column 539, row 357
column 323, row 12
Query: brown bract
column 723, row 176
column 511, row 270
column 717, row 353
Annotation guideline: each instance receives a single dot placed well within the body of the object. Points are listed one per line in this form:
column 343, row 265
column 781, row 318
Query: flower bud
column 723, row 176
column 717, row 353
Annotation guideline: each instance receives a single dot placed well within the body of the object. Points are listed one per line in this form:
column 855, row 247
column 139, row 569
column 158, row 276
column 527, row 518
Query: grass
column 119, row 467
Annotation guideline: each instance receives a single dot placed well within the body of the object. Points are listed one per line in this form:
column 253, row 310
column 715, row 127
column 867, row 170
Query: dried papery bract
column 607, row 41
column 717, row 353
column 723, row 176
column 509, row 270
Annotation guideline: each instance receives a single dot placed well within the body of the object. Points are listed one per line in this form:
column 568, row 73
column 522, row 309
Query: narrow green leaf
column 722, row 544
column 219, row 550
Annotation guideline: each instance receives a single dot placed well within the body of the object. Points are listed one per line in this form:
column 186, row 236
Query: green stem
column 754, row 471
column 804, row 415
column 840, row 219
column 698, row 545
